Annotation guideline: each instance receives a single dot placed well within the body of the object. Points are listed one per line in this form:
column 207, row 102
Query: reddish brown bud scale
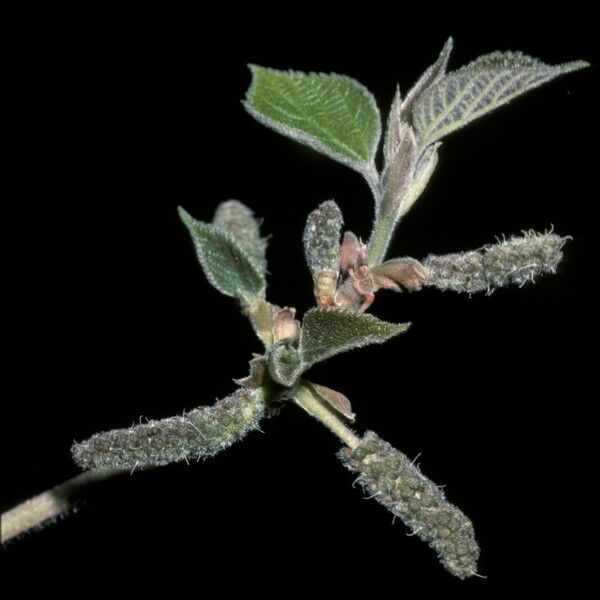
column 286, row 326
column 400, row 273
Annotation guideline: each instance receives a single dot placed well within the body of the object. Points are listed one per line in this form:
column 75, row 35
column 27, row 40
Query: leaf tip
column 254, row 69
column 184, row 215
column 576, row 65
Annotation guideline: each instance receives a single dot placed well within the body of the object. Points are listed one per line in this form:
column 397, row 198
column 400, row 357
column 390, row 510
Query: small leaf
column 239, row 220
column 226, row 264
column 327, row 331
column 478, row 88
column 392, row 132
column 433, row 74
column 333, row 114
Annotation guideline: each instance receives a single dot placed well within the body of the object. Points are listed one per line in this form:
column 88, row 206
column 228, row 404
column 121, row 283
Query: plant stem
column 383, row 230
column 305, row 397
column 372, row 178
column 49, row 504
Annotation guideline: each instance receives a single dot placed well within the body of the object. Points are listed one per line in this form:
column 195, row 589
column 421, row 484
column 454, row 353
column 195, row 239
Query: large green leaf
column 478, row 88
column 331, row 113
column 327, row 331
column 227, row 265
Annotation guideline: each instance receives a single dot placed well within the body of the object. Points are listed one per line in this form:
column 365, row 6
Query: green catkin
column 239, row 220
column 200, row 433
column 394, row 481
column 517, row 261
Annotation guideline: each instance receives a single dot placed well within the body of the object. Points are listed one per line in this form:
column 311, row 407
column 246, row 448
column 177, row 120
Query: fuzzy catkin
column 322, row 238
column 515, row 261
column 239, row 220
column 200, row 433
column 394, row 481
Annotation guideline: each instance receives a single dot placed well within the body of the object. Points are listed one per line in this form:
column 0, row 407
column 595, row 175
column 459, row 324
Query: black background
column 119, row 120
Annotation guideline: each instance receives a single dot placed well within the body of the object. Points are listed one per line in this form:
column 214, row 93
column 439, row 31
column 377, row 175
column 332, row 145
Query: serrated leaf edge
column 430, row 135
column 366, row 340
column 360, row 165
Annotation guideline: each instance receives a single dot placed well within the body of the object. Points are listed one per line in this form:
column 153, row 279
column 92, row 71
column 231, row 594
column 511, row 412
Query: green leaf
column 478, row 88
column 226, row 264
column 333, row 114
column 327, row 331
column 432, row 75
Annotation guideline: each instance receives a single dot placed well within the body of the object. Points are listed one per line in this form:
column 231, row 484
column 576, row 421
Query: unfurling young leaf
column 333, row 114
column 400, row 112
column 322, row 249
column 396, row 187
column 432, row 75
column 327, row 331
column 226, row 264
column 398, row 174
column 478, row 88
column 393, row 133
column 239, row 220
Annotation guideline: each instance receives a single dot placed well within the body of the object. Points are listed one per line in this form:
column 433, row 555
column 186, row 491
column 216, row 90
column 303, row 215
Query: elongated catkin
column 394, row 481
column 200, row 433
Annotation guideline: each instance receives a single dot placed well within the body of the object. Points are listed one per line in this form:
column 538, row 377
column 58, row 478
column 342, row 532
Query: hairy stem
column 383, row 229
column 50, row 504
column 313, row 405
column 372, row 178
